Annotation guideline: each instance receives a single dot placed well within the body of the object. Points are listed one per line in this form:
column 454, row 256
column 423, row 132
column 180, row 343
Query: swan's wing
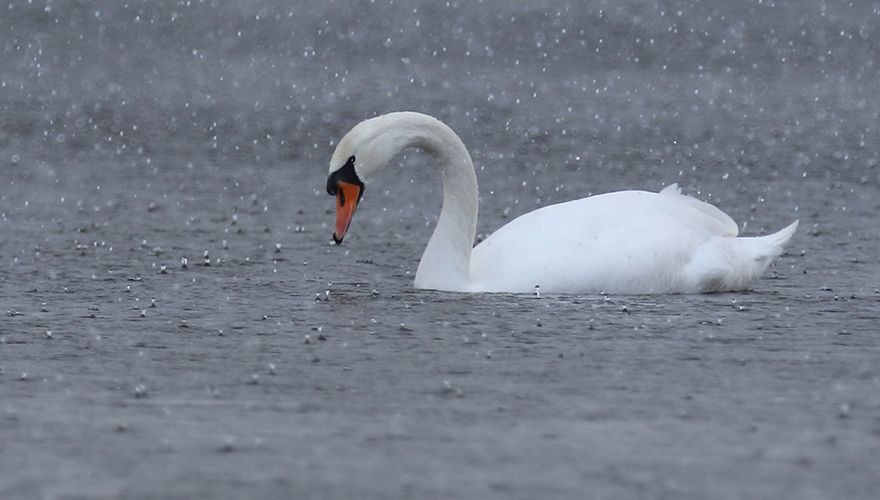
column 728, row 226
column 671, row 189
column 616, row 242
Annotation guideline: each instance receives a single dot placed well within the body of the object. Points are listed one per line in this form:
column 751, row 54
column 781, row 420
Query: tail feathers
column 726, row 264
column 772, row 245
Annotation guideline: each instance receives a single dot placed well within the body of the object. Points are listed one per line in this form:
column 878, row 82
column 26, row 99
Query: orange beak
column 347, row 198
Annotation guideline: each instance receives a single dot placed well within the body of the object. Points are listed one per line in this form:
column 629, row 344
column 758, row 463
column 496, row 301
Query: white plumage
column 621, row 242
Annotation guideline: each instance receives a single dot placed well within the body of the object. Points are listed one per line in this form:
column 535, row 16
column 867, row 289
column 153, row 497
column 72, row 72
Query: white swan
column 622, row 242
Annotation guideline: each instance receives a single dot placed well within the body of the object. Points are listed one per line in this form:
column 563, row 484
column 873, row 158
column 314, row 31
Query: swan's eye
column 345, row 176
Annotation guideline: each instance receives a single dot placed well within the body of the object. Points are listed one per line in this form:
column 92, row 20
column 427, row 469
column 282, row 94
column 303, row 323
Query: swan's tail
column 727, row 264
column 772, row 245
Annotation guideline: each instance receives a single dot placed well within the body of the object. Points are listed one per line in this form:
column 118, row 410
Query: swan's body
column 622, row 242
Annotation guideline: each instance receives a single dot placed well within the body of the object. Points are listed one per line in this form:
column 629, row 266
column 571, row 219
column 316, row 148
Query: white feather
column 622, row 242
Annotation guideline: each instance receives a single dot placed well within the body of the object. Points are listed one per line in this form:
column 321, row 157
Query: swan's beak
column 347, row 198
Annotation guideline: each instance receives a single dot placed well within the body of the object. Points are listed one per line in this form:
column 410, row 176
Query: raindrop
column 448, row 389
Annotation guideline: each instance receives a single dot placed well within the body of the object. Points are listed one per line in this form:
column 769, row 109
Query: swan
column 632, row 242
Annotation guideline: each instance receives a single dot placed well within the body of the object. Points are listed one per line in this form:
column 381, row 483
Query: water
column 135, row 139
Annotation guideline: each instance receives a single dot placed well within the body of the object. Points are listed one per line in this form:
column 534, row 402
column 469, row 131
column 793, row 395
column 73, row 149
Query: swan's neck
column 445, row 264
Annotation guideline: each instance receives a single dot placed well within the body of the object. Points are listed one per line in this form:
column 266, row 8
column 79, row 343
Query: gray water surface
column 274, row 364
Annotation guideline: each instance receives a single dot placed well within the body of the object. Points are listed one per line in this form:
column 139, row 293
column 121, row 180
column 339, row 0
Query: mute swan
column 623, row 242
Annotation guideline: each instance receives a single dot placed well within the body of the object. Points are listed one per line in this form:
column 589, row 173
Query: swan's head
column 365, row 149
column 347, row 187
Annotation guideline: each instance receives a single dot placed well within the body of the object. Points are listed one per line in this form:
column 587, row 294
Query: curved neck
column 445, row 264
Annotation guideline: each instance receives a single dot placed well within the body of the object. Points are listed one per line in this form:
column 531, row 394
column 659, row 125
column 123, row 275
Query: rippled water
column 276, row 364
